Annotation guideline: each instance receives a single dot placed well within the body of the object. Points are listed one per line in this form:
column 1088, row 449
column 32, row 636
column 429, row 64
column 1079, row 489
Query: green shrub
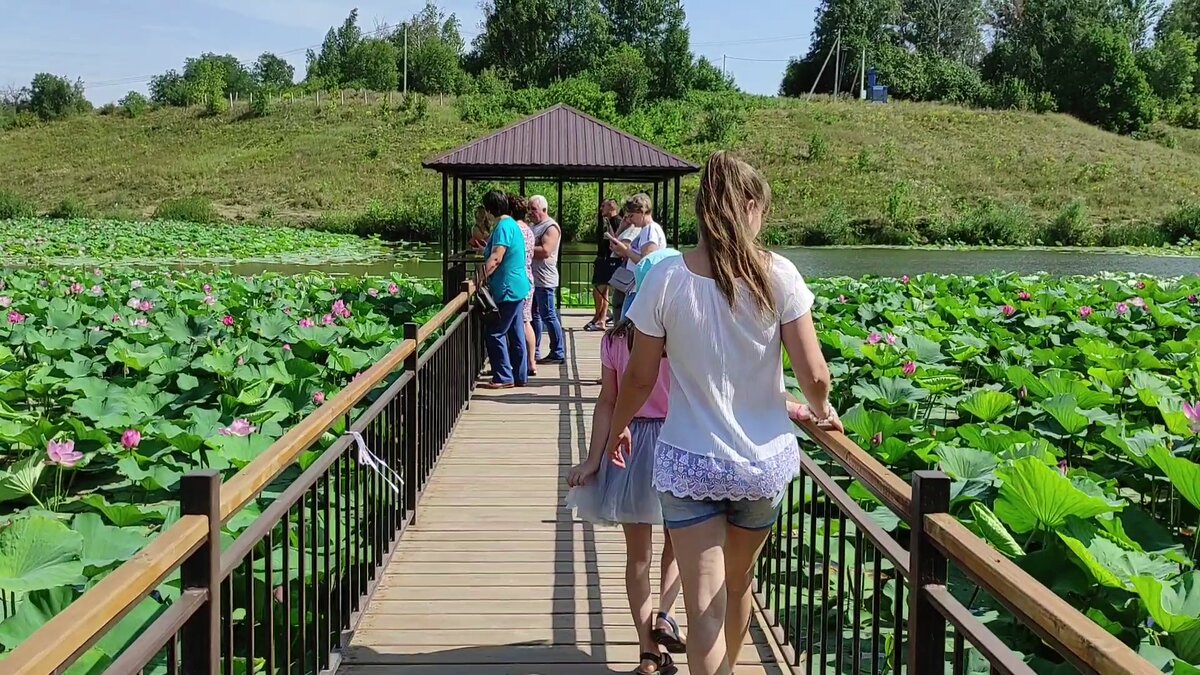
column 1183, row 224
column 134, row 104
column 835, row 228
column 13, row 206
column 261, row 105
column 1069, row 228
column 900, row 208
column 818, row 148
column 1131, row 234
column 1157, row 133
column 69, row 208
column 994, row 224
column 188, row 209
column 887, row 233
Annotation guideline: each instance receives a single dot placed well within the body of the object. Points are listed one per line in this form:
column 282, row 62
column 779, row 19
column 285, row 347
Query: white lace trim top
column 727, row 434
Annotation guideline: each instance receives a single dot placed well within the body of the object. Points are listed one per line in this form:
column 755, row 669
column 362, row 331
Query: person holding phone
column 605, row 264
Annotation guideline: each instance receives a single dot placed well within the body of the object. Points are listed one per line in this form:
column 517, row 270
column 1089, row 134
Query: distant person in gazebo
column 545, row 280
column 504, row 273
column 650, row 238
column 519, row 209
column 626, row 233
column 605, row 264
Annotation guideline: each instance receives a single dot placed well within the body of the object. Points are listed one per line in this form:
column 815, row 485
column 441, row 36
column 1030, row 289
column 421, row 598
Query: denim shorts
column 749, row 514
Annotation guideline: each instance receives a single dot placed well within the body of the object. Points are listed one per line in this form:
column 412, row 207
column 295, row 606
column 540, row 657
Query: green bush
column 900, row 208
column 818, row 148
column 69, row 208
column 188, row 209
column 1131, row 234
column 1183, row 224
column 52, row 97
column 13, row 206
column 999, row 225
column 134, row 104
column 262, row 105
column 1069, row 228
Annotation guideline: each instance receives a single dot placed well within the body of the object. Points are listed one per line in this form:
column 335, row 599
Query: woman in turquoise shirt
column 504, row 272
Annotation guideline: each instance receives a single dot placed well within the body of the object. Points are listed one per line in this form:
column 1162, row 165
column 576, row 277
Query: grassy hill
column 832, row 164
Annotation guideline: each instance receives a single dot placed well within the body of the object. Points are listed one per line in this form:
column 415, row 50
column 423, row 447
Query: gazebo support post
column 561, row 241
column 675, row 217
column 467, row 221
column 446, row 286
column 456, row 222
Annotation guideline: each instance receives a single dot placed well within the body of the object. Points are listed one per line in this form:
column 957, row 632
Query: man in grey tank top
column 547, row 236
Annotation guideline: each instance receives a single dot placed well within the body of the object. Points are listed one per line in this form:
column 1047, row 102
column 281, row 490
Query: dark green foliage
column 134, row 104
column 68, row 208
column 1171, row 66
column 261, row 104
column 706, row 76
column 921, row 77
column 1182, row 224
column 52, row 97
column 273, row 73
column 1001, row 225
column 13, row 205
column 1131, row 234
column 1069, row 228
column 372, row 65
column 434, row 52
column 1110, row 92
column 188, row 209
column 624, row 73
column 171, row 89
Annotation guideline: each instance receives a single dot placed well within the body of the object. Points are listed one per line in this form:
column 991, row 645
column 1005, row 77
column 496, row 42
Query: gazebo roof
column 561, row 142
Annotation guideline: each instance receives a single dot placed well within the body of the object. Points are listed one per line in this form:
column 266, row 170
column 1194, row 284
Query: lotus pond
column 81, row 240
column 1062, row 408
column 113, row 384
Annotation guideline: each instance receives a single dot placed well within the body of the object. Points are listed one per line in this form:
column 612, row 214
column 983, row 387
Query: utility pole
column 836, row 45
column 724, row 69
column 837, row 66
column 862, row 74
column 406, row 58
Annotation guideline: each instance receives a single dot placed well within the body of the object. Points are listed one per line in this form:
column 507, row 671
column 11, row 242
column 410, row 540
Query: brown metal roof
column 561, row 142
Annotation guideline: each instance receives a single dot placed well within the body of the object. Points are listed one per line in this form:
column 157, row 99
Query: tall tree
column 658, row 29
column 332, row 63
column 863, row 24
column 950, row 29
column 518, row 39
column 52, row 97
column 273, row 72
column 434, row 51
column 233, row 77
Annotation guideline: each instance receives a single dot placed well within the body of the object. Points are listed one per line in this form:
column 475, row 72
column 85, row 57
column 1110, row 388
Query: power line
column 749, row 41
column 739, row 58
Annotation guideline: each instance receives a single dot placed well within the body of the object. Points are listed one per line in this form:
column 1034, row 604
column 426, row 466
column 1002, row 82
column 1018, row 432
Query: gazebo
column 559, row 145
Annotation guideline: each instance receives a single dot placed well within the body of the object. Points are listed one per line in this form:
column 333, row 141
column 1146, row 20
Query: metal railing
column 284, row 595
column 843, row 594
column 575, row 276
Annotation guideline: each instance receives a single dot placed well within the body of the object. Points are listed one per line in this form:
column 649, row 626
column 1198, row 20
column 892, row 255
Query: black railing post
column 469, row 373
column 200, row 495
column 411, row 429
column 926, row 644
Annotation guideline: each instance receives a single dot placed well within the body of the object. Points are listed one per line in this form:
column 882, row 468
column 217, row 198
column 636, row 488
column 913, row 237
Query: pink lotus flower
column 1008, row 310
column 63, row 453
column 241, row 360
column 1140, row 285
column 340, row 309
column 227, row 320
column 133, row 303
column 1193, row 299
column 373, row 292
column 145, row 306
column 877, row 439
column 1138, row 302
column 1062, row 468
column 97, row 291
column 1085, row 311
column 1024, row 295
column 16, row 318
column 97, row 272
column 135, row 284
column 327, row 320
column 319, row 397
column 1122, row 309
column 131, row 439
column 1192, row 412
column 904, row 279
column 393, row 289
column 1022, row 393
column 910, row 369
column 207, row 289
column 891, row 339
column 287, row 347
column 116, row 318
column 5, row 301
column 287, row 311
column 76, row 288
column 240, row 427
column 139, row 322
column 843, row 299
column 306, row 323
column 874, row 338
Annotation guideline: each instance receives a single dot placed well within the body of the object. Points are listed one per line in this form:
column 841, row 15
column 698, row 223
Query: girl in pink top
column 607, row 493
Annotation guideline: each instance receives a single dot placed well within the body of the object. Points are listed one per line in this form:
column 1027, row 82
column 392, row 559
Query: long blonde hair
column 727, row 184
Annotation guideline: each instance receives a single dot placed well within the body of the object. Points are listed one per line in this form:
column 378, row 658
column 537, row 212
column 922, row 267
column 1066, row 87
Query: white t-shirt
column 652, row 233
column 727, row 399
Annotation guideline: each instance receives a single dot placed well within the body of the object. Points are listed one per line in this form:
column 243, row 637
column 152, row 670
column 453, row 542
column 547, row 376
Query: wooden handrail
column 82, row 623
column 1003, row 579
column 256, row 475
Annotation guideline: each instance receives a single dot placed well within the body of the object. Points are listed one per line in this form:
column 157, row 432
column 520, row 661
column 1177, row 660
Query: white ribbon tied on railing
column 368, row 458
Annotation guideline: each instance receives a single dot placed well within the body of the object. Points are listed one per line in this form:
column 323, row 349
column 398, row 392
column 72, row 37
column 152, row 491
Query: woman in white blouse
column 728, row 449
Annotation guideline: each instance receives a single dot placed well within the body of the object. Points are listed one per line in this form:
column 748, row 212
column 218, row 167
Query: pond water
column 824, row 262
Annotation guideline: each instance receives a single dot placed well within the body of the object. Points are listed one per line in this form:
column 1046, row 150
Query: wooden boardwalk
column 497, row 577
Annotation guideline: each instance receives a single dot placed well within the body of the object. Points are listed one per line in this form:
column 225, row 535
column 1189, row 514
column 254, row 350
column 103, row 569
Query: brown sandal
column 663, row 664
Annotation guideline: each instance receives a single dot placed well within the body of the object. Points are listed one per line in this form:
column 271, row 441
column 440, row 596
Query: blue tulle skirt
column 616, row 496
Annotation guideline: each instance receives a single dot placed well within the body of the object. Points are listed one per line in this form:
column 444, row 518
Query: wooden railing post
column 412, row 448
column 926, row 626
column 200, row 495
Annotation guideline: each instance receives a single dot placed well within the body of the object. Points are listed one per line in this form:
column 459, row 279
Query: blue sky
column 116, row 45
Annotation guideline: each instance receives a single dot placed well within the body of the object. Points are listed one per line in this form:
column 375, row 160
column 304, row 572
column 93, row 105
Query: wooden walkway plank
column 497, row 577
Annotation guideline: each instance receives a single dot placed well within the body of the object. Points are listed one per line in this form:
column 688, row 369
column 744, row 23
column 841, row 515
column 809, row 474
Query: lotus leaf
column 988, row 405
column 1174, row 605
column 1034, row 496
column 38, row 553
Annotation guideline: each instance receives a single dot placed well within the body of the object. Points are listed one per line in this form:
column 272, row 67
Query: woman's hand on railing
column 827, row 419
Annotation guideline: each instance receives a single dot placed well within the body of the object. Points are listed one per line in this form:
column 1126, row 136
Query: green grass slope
column 898, row 162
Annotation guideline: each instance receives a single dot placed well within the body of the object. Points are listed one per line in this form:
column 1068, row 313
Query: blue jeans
column 628, row 303
column 545, row 312
column 752, row 514
column 506, row 346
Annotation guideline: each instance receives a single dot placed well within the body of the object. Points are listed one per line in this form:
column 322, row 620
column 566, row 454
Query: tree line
column 638, row 49
column 1120, row 64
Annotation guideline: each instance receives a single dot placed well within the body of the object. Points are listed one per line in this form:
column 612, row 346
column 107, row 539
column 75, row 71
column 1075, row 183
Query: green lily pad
column 38, row 553
column 1035, row 496
column 994, row 532
column 104, row 545
column 1174, row 605
column 988, row 405
column 1183, row 473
